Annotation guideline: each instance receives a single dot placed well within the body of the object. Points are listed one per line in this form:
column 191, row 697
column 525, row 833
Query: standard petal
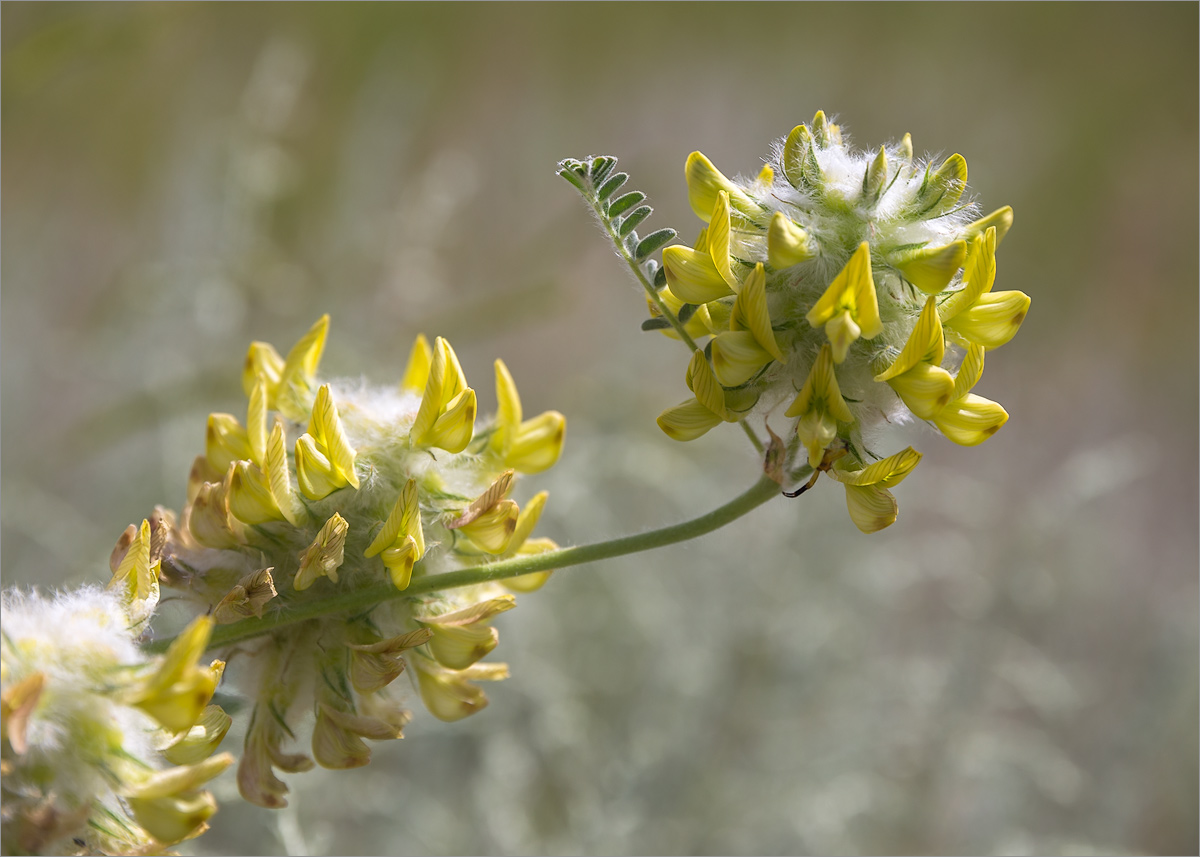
column 737, row 356
column 871, row 508
column 687, row 420
column 692, row 276
column 971, row 420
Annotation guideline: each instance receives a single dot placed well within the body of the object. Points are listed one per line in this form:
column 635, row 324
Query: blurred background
column 1011, row 668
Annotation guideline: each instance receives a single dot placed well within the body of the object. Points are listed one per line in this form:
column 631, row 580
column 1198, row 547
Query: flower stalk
column 350, row 602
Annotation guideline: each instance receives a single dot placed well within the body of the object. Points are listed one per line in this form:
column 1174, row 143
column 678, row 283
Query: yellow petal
column 704, row 181
column 969, row 372
column 886, row 473
column 824, row 132
column 256, row 422
column 136, row 579
column 692, row 276
column 293, row 395
column 538, row 444
column 250, row 497
column 416, row 372
column 247, row 598
column 431, row 398
column 480, row 612
column 336, row 747
column 179, row 779
column 177, row 692
column 279, row 477
column 527, row 519
column 816, row 430
column 262, row 361
column 853, row 290
column 172, row 819
column 404, row 520
column 800, row 165
column 492, row 530
column 821, row 386
column 458, row 648
column 508, row 412
column 942, row 189
column 1001, row 219
column 455, row 380
column 199, row 742
column 399, row 560
column 325, row 555
column 787, row 243
column 737, row 357
column 535, row 580
column 971, row 420
column 485, row 502
column 17, row 705
column 876, row 177
column 820, row 406
column 209, row 519
column 926, row 344
column 373, row 666
column 871, row 508
column 225, row 442
column 687, row 420
column 925, row 389
column 993, row 320
column 703, row 382
column 979, row 274
column 750, row 312
column 447, row 694
column 454, row 429
column 314, row 472
column 326, row 427
column 841, row 331
column 930, row 269
column 718, row 240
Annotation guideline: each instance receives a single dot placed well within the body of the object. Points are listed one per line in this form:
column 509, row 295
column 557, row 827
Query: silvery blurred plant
column 345, row 534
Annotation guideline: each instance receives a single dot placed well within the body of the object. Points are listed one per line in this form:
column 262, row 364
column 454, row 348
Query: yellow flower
column 178, row 691
column 872, row 507
column 976, row 313
column 462, row 637
column 288, row 382
column 446, row 418
column 916, row 374
column 969, row 420
column 449, row 694
column 402, row 540
column 849, row 309
column 325, row 555
column 527, row 446
column 324, row 457
column 820, row 407
column 739, row 353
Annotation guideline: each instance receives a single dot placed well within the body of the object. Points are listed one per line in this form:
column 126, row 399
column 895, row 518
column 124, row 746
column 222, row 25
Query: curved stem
column 362, row 600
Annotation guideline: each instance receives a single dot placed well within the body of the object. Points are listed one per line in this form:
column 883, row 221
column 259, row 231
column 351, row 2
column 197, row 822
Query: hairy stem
column 362, row 600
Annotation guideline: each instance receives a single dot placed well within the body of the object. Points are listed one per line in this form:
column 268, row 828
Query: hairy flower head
column 103, row 747
column 329, row 488
column 842, row 289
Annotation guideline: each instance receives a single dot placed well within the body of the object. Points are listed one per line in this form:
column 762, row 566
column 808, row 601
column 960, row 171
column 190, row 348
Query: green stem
column 362, row 600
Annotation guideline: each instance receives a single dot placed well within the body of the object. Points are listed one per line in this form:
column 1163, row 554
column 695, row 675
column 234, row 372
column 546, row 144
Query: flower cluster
column 848, row 290
column 331, row 489
column 104, row 749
